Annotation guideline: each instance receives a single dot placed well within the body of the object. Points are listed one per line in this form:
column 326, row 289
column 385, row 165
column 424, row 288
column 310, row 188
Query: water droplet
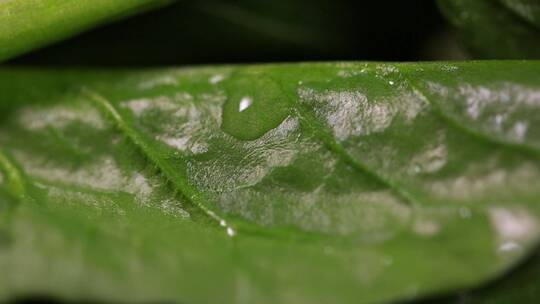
column 391, row 82
column 231, row 232
column 255, row 104
column 245, row 102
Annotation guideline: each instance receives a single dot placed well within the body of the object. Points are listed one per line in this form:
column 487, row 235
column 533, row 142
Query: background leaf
column 496, row 29
column 29, row 24
column 527, row 9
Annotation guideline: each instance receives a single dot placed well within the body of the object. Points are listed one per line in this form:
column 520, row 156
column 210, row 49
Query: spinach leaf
column 303, row 183
column 529, row 10
column 29, row 24
column 505, row 29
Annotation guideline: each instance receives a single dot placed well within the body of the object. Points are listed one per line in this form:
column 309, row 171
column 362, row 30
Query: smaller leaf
column 527, row 9
column 30, row 24
column 491, row 30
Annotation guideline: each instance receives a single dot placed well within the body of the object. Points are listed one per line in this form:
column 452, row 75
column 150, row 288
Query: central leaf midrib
column 180, row 184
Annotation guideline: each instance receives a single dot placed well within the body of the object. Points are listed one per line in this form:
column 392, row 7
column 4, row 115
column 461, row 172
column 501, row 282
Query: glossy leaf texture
column 503, row 29
column 287, row 183
column 30, row 24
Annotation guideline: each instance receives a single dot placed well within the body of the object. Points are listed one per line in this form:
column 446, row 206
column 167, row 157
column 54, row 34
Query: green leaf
column 505, row 29
column 528, row 10
column 301, row 183
column 29, row 24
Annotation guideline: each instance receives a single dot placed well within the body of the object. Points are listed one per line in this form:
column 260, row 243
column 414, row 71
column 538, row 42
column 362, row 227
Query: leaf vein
column 471, row 132
column 179, row 181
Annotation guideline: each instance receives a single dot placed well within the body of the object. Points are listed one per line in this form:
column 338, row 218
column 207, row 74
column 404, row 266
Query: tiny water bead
column 230, row 231
column 245, row 102
column 255, row 104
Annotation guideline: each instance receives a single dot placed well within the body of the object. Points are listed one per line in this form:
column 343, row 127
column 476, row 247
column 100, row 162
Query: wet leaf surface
column 302, row 183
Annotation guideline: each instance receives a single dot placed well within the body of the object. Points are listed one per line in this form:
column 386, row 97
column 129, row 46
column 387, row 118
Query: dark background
column 219, row 31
